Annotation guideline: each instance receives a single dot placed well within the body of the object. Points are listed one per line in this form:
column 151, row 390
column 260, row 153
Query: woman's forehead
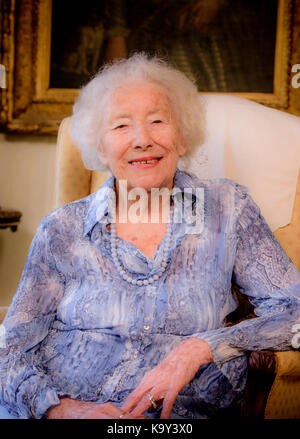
column 139, row 94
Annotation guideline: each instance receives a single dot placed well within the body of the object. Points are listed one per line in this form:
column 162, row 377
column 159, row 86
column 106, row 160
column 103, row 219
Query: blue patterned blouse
column 76, row 328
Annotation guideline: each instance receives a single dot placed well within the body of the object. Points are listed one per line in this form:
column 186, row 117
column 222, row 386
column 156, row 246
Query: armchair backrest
column 254, row 145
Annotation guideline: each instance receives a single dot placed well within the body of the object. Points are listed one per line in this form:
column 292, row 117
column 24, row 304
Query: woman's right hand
column 73, row 409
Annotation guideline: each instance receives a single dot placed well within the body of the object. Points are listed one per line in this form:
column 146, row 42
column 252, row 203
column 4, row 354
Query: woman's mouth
column 145, row 162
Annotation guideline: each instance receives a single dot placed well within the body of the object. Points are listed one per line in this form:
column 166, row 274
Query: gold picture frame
column 28, row 105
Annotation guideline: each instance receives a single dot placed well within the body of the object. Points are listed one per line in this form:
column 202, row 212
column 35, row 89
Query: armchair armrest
column 276, row 362
column 264, row 368
column 261, row 375
column 262, row 361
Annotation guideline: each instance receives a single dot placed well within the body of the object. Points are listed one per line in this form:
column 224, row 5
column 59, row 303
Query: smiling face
column 140, row 124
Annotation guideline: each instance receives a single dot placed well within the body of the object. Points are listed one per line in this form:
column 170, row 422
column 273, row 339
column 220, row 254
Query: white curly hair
column 91, row 104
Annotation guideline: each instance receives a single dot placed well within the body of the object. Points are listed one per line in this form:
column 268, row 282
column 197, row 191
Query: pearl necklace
column 164, row 263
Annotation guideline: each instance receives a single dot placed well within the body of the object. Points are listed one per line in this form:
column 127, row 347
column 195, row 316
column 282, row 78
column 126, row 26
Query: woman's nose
column 142, row 138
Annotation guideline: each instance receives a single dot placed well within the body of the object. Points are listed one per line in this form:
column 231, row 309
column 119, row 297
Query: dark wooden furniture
column 9, row 218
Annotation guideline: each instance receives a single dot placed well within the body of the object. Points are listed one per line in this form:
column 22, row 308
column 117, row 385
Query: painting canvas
column 223, row 45
column 242, row 47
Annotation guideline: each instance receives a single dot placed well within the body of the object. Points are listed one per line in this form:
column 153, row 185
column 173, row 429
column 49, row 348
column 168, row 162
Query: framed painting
column 49, row 50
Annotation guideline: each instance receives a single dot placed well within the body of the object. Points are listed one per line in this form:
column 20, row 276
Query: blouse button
column 146, row 327
column 133, row 335
column 150, row 290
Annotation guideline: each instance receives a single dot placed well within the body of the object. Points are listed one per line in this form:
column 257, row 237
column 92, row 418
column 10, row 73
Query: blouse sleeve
column 24, row 388
column 268, row 277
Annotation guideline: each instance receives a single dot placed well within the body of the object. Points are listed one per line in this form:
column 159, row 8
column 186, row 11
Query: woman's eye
column 157, row 121
column 120, row 126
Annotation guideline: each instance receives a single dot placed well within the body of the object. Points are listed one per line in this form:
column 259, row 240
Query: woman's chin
column 147, row 182
column 151, row 178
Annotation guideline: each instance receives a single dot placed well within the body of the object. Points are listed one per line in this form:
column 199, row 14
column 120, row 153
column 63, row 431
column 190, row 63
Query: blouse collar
column 99, row 201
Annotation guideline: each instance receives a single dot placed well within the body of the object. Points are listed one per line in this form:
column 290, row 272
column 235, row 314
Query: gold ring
column 121, row 415
column 153, row 402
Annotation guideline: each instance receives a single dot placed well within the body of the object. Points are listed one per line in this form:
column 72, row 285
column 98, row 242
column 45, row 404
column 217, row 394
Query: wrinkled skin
column 73, row 409
column 168, row 378
column 163, row 382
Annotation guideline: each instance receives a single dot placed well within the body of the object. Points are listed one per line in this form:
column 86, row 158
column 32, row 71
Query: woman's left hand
column 168, row 378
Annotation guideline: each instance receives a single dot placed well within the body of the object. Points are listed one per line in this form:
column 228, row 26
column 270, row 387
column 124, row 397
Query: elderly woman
column 121, row 309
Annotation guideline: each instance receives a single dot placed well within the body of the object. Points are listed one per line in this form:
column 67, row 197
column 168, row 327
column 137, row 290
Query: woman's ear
column 182, row 147
column 102, row 154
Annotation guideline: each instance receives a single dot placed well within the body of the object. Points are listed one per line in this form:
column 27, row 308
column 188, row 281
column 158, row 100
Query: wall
column 27, row 175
